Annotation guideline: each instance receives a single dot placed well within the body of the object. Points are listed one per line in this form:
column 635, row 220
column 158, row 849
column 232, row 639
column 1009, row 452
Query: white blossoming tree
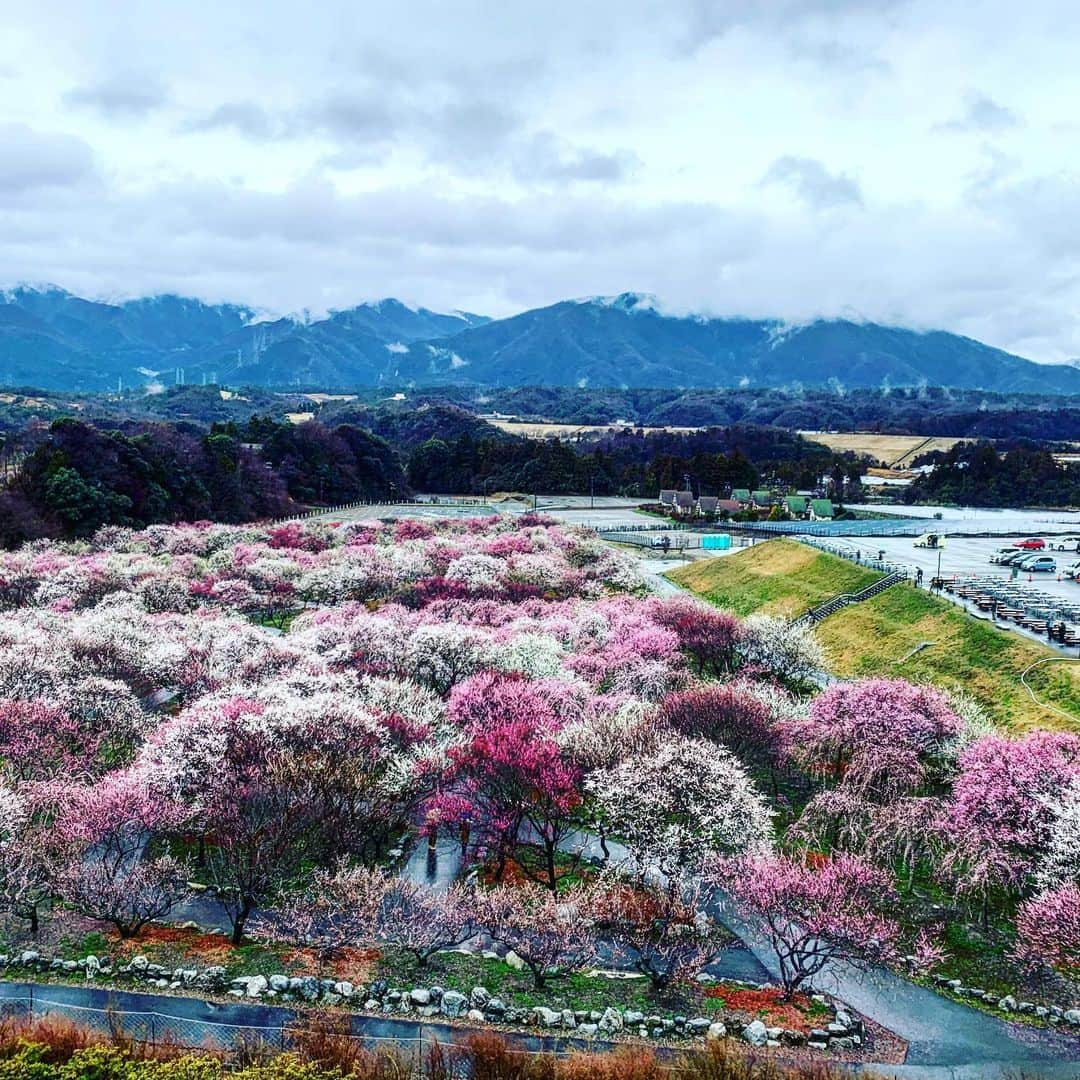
column 684, row 800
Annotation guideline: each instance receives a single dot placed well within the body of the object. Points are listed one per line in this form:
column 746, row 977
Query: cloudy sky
column 900, row 160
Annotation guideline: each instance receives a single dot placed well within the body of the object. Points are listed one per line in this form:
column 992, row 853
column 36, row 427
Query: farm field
column 877, row 638
column 895, row 451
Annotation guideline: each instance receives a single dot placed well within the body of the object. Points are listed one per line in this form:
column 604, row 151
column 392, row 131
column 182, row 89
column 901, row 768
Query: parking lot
column 1025, row 603
column 966, row 555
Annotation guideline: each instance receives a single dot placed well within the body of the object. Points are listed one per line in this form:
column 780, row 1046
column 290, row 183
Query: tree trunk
column 549, row 853
column 241, row 920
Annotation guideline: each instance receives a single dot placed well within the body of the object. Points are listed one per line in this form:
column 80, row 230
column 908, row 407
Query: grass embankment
column 779, row 577
column 876, row 637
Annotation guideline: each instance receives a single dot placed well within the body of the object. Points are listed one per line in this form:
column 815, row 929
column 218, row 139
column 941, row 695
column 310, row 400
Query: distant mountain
column 53, row 340
column 625, row 341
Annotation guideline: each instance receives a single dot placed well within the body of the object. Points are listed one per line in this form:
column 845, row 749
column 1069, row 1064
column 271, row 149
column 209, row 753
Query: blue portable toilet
column 716, row 542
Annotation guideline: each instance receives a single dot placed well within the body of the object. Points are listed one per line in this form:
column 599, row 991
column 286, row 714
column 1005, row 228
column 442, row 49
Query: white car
column 1064, row 543
column 1072, row 569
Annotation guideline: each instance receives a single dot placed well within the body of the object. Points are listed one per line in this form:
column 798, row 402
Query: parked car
column 1072, row 569
column 1032, row 543
column 1039, row 564
column 1014, row 557
column 1065, row 543
column 1003, row 556
column 930, row 540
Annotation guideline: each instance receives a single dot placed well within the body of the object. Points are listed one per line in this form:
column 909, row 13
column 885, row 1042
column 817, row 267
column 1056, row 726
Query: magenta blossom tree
column 102, row 835
column 1000, row 819
column 509, row 779
column 709, row 637
column 1048, row 930
column 880, row 737
column 728, row 714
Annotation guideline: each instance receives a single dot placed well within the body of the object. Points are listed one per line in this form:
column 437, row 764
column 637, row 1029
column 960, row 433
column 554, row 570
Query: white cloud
column 813, row 183
column 508, row 156
column 32, row 160
column 981, row 115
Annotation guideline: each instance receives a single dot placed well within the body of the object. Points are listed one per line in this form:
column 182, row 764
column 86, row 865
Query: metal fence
column 870, row 557
column 678, row 542
column 325, row 511
column 149, row 1027
column 410, row 1038
column 857, row 527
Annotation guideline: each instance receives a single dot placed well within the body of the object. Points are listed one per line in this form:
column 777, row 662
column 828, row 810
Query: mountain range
column 52, row 339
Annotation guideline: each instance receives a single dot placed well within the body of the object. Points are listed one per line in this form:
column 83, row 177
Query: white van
column 930, row 540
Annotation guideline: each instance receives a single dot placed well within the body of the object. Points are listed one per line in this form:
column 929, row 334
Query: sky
column 904, row 161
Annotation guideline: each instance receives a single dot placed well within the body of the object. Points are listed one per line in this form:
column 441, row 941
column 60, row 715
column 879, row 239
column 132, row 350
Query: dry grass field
column 893, row 450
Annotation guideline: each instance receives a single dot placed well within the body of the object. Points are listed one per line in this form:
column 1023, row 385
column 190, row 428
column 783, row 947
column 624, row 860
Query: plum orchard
column 272, row 711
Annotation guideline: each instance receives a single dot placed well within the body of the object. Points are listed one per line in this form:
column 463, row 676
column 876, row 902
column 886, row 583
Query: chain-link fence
column 411, row 1041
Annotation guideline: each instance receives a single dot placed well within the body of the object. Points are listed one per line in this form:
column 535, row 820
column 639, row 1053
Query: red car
column 1032, row 543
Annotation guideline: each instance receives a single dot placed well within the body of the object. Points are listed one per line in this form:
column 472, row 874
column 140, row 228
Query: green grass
column 967, row 654
column 457, row 971
column 875, row 638
column 778, row 577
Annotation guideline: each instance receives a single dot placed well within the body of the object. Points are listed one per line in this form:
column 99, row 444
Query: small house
column 762, row 499
column 796, row 505
column 741, row 496
column 707, row 504
column 821, row 510
column 684, row 502
column 667, row 497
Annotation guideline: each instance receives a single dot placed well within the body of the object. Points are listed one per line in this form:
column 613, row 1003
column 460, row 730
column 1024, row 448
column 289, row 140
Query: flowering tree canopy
column 1060, row 862
column 686, row 799
column 665, row 932
column 880, row 737
column 1048, row 930
column 551, row 932
column 509, row 773
column 999, row 818
column 810, row 916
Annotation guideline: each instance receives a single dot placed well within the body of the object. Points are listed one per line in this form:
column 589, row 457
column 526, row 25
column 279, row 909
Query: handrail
column 843, row 600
